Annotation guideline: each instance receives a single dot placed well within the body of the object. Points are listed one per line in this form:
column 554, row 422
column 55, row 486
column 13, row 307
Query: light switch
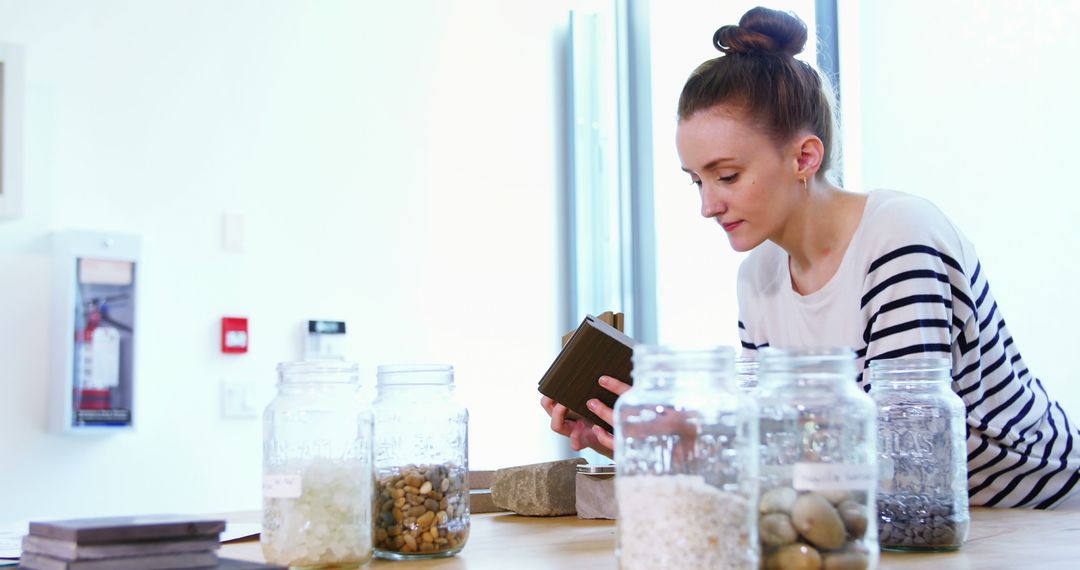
column 232, row 232
column 238, row 400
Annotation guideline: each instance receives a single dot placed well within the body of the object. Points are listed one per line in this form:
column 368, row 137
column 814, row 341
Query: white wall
column 397, row 165
column 973, row 104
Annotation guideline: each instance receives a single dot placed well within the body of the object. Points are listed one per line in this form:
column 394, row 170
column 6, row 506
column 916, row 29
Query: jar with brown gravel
column 923, row 494
column 421, row 499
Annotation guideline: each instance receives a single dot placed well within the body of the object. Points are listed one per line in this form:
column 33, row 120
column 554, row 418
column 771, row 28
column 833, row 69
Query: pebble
column 813, row 530
column 794, row 557
column 422, row 510
column 776, row 529
column 920, row 522
column 778, row 500
column 854, row 516
column 319, row 528
column 853, row 560
column 817, row 520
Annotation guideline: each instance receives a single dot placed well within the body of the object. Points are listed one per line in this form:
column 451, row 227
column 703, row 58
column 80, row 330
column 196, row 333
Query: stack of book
column 122, row 543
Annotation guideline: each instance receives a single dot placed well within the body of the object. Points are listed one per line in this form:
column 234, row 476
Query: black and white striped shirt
column 911, row 284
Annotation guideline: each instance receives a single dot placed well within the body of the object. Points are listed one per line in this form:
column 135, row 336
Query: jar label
column 834, row 477
column 282, row 486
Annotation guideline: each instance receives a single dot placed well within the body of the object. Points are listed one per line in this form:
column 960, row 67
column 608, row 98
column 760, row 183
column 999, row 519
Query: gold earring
column 804, row 186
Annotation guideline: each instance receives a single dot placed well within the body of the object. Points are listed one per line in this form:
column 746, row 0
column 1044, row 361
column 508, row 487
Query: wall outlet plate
column 238, row 400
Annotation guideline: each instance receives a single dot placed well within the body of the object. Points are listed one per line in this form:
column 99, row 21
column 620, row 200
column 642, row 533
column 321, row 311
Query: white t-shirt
column 910, row 284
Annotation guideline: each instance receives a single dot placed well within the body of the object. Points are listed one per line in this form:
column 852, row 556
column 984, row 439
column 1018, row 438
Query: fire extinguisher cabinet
column 95, row 300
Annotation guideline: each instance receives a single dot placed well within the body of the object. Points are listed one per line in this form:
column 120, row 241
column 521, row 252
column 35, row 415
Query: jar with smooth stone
column 922, row 496
column 818, row 462
column 686, row 459
column 317, row 469
column 421, row 500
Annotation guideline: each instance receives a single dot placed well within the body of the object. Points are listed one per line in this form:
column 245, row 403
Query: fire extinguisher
column 97, row 361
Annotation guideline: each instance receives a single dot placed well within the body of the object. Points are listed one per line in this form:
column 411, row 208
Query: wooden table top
column 999, row 538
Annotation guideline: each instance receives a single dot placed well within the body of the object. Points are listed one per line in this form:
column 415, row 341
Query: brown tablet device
column 595, row 349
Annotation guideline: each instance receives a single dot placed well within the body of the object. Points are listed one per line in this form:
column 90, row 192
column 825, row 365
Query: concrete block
column 540, row 489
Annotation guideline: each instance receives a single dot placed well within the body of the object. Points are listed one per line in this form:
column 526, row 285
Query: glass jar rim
column 665, row 357
column 415, row 374
column 771, row 356
column 747, row 364
column 921, row 363
column 813, row 364
column 318, row 372
column 922, row 369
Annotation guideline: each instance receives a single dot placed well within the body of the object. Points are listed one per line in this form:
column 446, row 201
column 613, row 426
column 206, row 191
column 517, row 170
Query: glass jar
column 922, row 440
column 317, row 468
column 686, row 463
column 746, row 371
column 818, row 461
column 421, row 463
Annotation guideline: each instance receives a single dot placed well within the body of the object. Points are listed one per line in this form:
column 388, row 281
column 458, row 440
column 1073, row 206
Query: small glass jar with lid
column 421, row 499
column 686, row 460
column 923, row 495
column 818, row 461
column 317, row 468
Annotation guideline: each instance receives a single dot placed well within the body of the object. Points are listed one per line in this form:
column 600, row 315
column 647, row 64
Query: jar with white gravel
column 818, row 461
column 686, row 454
column 421, row 499
column 317, row 468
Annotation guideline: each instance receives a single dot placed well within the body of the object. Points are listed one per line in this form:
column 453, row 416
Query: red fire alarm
column 234, row 334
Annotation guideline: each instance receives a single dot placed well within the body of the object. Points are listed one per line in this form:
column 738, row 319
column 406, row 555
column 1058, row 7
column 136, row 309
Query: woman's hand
column 583, row 433
column 605, row 413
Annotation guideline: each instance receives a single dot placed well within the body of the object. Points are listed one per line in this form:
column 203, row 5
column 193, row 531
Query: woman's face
column 747, row 184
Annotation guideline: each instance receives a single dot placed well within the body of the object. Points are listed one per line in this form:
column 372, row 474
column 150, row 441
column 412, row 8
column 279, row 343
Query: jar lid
column 813, row 359
column 650, row 358
column 415, row 374
column 922, row 369
column 319, row 371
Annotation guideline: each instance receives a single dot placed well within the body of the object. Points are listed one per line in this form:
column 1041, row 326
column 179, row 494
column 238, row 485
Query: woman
column 886, row 273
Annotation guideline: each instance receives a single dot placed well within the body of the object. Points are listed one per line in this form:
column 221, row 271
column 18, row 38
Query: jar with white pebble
column 686, row 454
column 421, row 500
column 318, row 474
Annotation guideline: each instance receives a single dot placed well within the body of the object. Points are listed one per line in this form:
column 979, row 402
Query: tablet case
column 595, row 349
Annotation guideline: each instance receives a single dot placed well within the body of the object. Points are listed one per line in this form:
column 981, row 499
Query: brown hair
column 759, row 73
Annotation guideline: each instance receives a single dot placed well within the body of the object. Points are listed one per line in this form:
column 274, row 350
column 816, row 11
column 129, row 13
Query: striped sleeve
column 749, row 349
column 1022, row 448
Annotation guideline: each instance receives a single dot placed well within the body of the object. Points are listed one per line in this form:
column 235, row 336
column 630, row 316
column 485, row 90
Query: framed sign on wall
column 11, row 92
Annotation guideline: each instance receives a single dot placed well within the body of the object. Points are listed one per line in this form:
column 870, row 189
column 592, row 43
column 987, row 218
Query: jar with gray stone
column 686, row 454
column 818, row 461
column 421, row 499
column 922, row 496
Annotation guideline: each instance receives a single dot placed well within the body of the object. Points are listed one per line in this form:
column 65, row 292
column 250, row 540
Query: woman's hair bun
column 763, row 31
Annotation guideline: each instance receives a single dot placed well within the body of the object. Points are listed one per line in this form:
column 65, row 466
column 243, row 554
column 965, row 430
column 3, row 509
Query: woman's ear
column 809, row 152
